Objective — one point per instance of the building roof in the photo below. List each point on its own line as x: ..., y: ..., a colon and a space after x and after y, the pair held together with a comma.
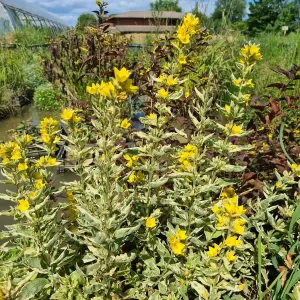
x: 141, y: 28
x: 33, y: 9
x: 148, y: 14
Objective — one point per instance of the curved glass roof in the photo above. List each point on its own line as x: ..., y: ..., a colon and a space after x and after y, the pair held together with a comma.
x: 33, y: 9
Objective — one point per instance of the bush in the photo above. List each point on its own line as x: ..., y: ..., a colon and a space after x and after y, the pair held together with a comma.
x: 172, y: 210
x: 46, y: 97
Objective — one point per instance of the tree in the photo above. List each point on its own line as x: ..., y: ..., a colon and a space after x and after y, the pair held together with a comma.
x: 233, y: 10
x: 270, y: 15
x: 204, y: 20
x: 86, y: 20
x: 165, y: 5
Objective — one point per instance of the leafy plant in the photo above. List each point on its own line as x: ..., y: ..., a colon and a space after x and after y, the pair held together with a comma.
x: 46, y: 97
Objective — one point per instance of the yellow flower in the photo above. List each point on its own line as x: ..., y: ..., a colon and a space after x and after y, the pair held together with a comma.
x: 131, y: 178
x: 122, y: 96
x: 213, y: 251
x: 251, y: 52
x: 238, y: 229
x: 230, y: 256
x: 236, y: 129
x: 232, y: 241
x: 32, y: 194
x: 46, y: 138
x: 26, y: 138
x: 227, y: 108
x: 150, y: 222
x: 186, y: 94
x: 250, y: 83
x: 70, y: 196
x: 98, y: 2
x: 241, y: 286
x: 130, y: 160
x: 215, y: 209
x: 39, y: 184
x: 181, y: 235
x: 171, y: 81
x: 46, y: 161
x: 48, y: 126
x: 191, y: 148
x: 295, y: 168
x: 23, y: 205
x: 22, y: 166
x: 173, y: 240
x: 67, y: 114
x: 222, y: 221
x: 237, y: 82
x: 106, y: 89
x: 228, y: 193
x: 125, y: 124
x: 121, y: 75
x: 177, y: 248
x: 93, y: 89
x: 182, y: 281
x: 131, y: 89
x: 76, y: 119
x: 184, y: 38
x: 152, y: 116
x: 182, y: 59
x: 162, y: 93
x: 246, y: 98
x: 16, y: 154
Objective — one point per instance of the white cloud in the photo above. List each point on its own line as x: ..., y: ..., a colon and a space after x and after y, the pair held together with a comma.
x: 69, y: 10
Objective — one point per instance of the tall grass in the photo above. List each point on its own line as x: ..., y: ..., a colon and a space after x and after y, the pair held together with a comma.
x: 277, y: 51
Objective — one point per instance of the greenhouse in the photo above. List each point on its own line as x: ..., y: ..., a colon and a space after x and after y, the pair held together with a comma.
x: 17, y: 13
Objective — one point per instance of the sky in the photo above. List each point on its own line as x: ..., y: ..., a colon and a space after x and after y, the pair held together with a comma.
x: 69, y: 10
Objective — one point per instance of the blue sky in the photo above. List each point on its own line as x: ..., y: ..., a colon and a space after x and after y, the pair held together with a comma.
x: 69, y: 10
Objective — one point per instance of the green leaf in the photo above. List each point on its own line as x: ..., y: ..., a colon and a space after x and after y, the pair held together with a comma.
x: 199, y: 288
x: 123, y: 232
x: 232, y: 168
x: 32, y: 288
x: 295, y: 218
x: 158, y: 183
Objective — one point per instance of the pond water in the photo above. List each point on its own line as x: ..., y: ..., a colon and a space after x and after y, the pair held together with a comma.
x: 28, y: 113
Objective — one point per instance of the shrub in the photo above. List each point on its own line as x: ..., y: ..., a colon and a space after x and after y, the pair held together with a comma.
x: 157, y: 213
x: 46, y: 97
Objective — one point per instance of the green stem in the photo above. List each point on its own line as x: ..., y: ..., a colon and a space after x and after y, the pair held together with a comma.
x: 282, y: 145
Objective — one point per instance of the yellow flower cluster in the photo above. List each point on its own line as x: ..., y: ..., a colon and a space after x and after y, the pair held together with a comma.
x: 228, y: 214
x: 46, y: 162
x: 135, y: 177
x: 130, y: 160
x: 250, y: 54
x: 169, y: 80
x: 110, y: 89
x: 162, y: 93
x: 105, y: 89
x: 243, y: 83
x: 190, y: 26
x: 187, y: 156
x: 48, y: 130
x: 69, y: 115
x: 233, y: 129
x: 23, y: 205
x: 176, y: 245
x: 10, y: 151
x: 296, y: 169
x: 150, y: 222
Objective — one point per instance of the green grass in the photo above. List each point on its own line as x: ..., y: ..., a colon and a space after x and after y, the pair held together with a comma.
x: 278, y: 51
